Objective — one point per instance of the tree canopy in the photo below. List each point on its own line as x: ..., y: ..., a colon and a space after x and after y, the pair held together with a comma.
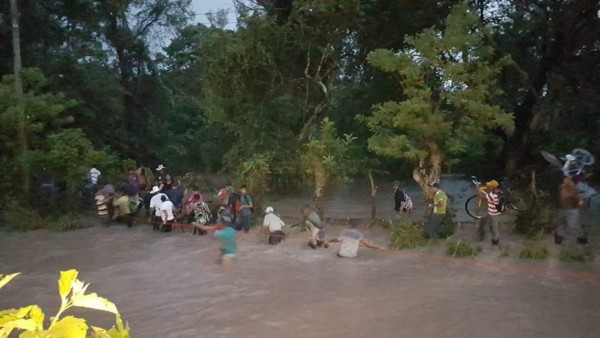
x: 438, y: 85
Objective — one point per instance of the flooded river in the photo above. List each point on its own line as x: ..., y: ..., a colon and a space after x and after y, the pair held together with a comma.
x: 168, y: 285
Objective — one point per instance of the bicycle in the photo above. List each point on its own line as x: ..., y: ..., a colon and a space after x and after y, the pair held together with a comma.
x: 519, y: 199
x: 574, y: 164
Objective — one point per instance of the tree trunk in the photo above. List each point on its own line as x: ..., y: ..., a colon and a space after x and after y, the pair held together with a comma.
x: 320, y: 183
x: 373, y: 200
x: 427, y: 173
x: 21, y: 128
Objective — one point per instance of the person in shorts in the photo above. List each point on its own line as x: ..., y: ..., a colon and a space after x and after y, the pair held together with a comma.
x: 350, y: 240
x: 313, y: 223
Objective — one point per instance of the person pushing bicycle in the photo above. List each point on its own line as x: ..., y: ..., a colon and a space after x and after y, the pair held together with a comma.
x: 495, y: 206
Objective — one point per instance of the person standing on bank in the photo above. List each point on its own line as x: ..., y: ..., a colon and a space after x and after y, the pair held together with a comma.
x: 571, y: 201
x: 440, y: 201
x: 246, y: 207
x: 402, y: 202
x: 495, y: 206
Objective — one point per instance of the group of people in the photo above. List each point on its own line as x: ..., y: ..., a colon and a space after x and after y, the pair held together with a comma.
x: 571, y: 202
x: 165, y: 201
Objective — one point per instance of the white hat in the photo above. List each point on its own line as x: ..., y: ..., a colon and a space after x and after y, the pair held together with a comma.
x: 154, y: 190
x: 269, y: 210
x: 160, y: 167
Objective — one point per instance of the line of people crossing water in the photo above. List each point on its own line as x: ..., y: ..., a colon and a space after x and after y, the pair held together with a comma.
x: 166, y: 203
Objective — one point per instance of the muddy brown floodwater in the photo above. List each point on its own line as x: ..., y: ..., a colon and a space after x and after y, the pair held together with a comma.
x: 168, y: 285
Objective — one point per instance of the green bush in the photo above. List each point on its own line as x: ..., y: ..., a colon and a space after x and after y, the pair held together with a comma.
x: 461, y: 249
x: 534, y: 251
x: 542, y: 218
x: 407, y: 235
x: 65, y: 223
x: 577, y: 253
x: 21, y: 218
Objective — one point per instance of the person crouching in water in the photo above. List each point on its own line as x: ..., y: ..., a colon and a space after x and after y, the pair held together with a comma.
x: 273, y: 225
x: 350, y: 240
x: 226, y: 235
x: 313, y: 223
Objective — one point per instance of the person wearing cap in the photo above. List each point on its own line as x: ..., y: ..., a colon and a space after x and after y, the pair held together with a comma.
x: 495, y: 206
x: 571, y: 202
x: 440, y: 202
x: 155, y: 203
x: 273, y: 225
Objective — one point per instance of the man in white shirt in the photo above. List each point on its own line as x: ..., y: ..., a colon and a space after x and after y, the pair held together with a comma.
x: 168, y: 218
x: 155, y: 203
x: 94, y: 175
x: 350, y: 240
x: 273, y: 224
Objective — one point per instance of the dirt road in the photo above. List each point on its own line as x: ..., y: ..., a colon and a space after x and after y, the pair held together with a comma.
x: 168, y: 285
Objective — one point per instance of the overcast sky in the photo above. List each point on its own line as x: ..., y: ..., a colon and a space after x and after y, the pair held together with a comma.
x: 201, y: 7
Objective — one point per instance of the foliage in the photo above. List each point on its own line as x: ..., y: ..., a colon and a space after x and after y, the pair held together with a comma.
x: 18, y: 217
x: 407, y: 235
x: 73, y: 294
x: 578, y: 253
x: 326, y: 159
x: 541, y: 219
x: 462, y: 249
x: 449, y: 82
x: 534, y: 251
x: 65, y: 222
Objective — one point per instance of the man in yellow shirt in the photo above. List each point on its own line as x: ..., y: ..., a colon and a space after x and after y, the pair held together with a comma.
x: 440, y: 201
x: 123, y: 211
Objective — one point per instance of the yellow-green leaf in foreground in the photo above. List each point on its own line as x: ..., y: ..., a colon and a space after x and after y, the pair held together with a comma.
x: 65, y: 283
x: 93, y: 301
x: 4, y: 279
x: 68, y: 327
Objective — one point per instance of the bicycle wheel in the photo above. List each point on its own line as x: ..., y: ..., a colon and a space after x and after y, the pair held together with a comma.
x: 583, y: 156
x: 521, y: 199
x: 476, y: 207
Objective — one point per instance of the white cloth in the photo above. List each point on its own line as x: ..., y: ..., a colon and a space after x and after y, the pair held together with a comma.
x: 168, y: 207
x: 350, y: 240
x: 155, y: 202
x: 94, y: 174
x: 273, y: 222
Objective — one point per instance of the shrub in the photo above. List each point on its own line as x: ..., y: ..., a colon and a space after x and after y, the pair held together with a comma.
x: 407, y: 235
x: 577, y: 253
x: 21, y: 218
x: 461, y: 249
x: 542, y: 218
x: 534, y: 252
x: 65, y: 223
x: 72, y: 292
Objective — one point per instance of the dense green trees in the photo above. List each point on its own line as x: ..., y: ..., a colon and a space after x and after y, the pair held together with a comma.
x: 139, y: 80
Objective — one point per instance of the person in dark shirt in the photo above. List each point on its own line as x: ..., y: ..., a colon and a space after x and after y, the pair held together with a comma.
x: 176, y: 195
x: 398, y: 199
